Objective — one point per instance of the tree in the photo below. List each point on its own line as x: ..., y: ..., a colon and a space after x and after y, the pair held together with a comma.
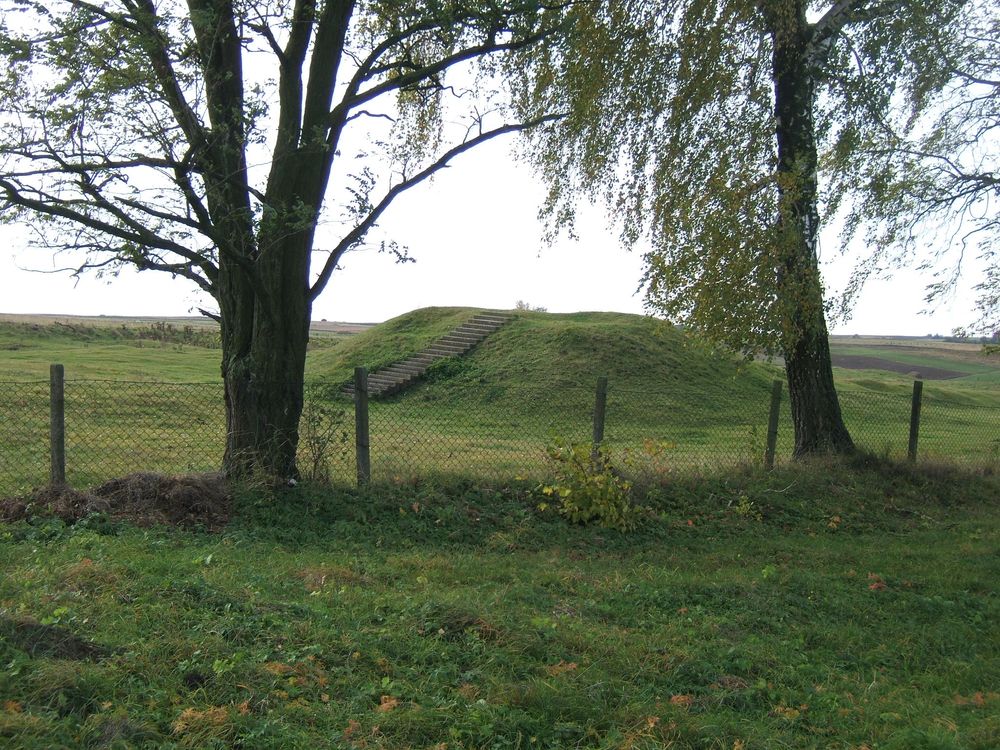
x: 943, y: 175
x: 705, y: 124
x: 201, y: 139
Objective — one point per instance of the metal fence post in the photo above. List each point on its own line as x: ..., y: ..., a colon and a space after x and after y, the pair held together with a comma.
x: 362, y: 445
x: 772, y: 425
x: 600, y: 404
x: 918, y: 390
x: 57, y: 426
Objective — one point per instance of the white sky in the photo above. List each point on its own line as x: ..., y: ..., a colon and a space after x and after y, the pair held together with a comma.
x: 477, y: 242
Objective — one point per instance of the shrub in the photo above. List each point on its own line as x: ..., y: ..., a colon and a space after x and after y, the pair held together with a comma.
x: 588, y: 488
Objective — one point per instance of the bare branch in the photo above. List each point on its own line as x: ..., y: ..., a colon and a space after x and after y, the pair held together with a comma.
x: 357, y: 234
x: 428, y: 71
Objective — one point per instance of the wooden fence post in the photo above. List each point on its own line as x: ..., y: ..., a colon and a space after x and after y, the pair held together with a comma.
x: 918, y: 390
x: 362, y: 445
x: 772, y: 425
x: 600, y: 404
x: 57, y: 426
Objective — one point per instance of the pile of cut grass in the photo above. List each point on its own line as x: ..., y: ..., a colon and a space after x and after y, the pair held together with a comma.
x: 831, y: 605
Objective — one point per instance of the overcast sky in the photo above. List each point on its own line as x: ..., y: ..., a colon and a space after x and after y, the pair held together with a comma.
x: 476, y: 240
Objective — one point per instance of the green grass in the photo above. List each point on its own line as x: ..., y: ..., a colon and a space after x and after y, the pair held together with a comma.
x: 674, y: 405
x: 108, y: 353
x: 820, y: 606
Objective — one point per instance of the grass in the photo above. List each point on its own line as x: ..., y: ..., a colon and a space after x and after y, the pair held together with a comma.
x: 674, y: 405
x: 833, y: 606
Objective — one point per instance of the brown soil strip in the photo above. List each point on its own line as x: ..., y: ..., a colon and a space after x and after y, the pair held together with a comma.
x: 858, y: 362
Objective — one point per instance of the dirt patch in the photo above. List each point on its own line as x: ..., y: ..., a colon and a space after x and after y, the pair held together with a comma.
x: 50, y: 641
x: 197, y: 500
x: 859, y: 362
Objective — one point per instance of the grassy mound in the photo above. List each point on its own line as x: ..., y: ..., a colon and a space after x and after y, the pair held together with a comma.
x: 552, y: 351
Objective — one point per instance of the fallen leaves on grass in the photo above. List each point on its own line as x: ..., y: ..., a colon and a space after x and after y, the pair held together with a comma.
x: 877, y: 584
x: 729, y: 682
x: 976, y: 700
x: 316, y: 577
x: 387, y: 703
x: 682, y: 701
x: 352, y: 728
x: 788, y: 712
x: 193, y: 719
x: 554, y: 670
x: 468, y: 691
x: 12, y: 707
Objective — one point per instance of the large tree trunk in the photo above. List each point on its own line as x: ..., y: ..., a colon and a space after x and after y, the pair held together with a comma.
x: 265, y: 333
x: 819, y: 426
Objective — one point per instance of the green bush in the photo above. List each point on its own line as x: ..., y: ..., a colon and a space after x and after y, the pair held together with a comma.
x: 588, y: 488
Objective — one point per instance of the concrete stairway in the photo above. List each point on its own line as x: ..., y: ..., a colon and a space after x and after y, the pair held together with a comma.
x: 401, y: 375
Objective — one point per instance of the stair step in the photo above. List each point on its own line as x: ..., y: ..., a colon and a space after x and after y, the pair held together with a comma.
x: 448, y: 348
x: 476, y: 328
x: 403, y: 369
x: 399, y: 375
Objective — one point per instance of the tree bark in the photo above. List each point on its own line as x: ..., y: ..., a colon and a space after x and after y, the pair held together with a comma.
x: 264, y: 352
x: 815, y: 407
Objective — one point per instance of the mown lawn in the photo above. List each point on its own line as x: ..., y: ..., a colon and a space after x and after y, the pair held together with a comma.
x: 817, y: 606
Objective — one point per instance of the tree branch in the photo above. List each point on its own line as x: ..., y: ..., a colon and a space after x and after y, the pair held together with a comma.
x: 357, y: 234
x: 135, y: 234
x: 421, y: 74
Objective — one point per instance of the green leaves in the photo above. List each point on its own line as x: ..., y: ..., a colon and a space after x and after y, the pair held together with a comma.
x: 588, y: 488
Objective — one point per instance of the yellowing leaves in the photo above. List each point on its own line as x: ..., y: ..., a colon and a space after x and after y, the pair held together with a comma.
x: 278, y: 669
x: 199, y: 720
x: 976, y: 700
x: 554, y: 670
x: 387, y: 703
x: 12, y: 707
x: 682, y: 701
x: 789, y: 713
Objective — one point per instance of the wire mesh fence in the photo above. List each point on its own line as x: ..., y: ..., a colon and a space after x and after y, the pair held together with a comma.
x: 490, y: 434
x: 24, y: 435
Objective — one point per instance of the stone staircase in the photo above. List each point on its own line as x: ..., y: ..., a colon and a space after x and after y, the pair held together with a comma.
x: 399, y: 376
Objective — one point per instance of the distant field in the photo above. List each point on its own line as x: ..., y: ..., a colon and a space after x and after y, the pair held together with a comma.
x: 931, y: 358
x: 106, y: 321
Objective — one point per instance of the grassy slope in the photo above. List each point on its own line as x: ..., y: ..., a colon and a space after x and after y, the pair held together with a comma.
x: 817, y: 607
x: 540, y: 350
x: 388, y: 342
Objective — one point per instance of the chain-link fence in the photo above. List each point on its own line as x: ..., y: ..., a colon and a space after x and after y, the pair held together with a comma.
x: 489, y: 434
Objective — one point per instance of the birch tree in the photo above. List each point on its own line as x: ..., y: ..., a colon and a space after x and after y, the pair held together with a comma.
x: 723, y: 132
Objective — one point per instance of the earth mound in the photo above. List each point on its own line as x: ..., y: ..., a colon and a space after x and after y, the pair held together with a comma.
x: 143, y: 499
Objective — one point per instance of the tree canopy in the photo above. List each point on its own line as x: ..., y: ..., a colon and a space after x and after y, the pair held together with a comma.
x: 941, y: 171
x: 212, y: 139
x: 726, y: 133
x: 672, y: 124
